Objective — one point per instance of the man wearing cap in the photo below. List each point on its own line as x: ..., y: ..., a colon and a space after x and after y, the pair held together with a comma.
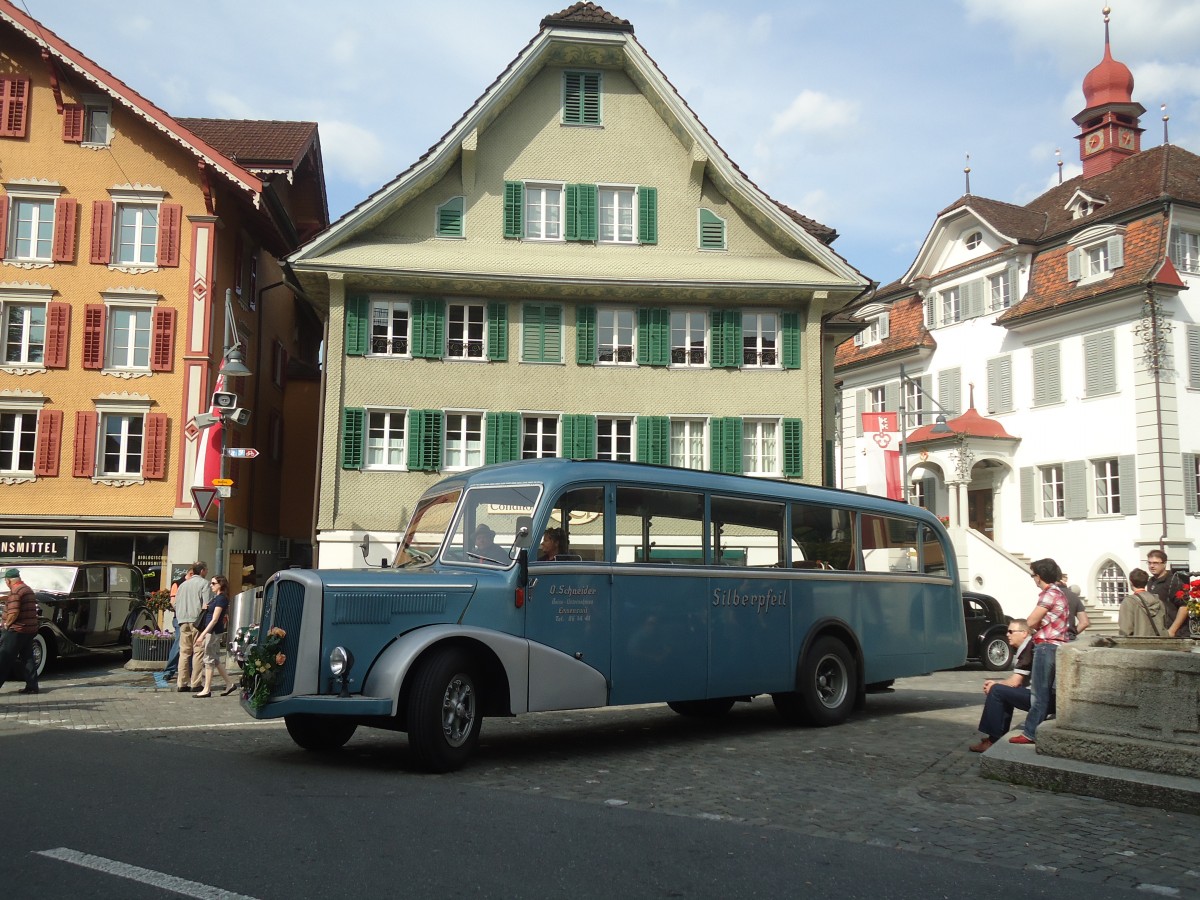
x: 20, y: 628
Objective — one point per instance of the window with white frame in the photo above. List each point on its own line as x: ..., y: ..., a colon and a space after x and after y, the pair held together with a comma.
x: 97, y: 117
x: 539, y: 437
x: 1098, y: 254
x: 121, y: 444
x: 760, y: 447
x: 618, y: 215
x: 877, y: 399
x: 689, y: 338
x: 688, y: 445
x: 18, y: 441
x: 543, y: 212
x: 24, y: 334
x: 1108, y: 487
x: 1111, y: 584
x: 760, y: 340
x: 614, y: 438
x: 464, y: 440
x: 391, y: 324
x: 916, y: 491
x: 129, y: 330
x: 974, y: 239
x: 914, y: 403
x: 615, y: 331
x: 466, y: 325
x: 385, y: 440
x: 31, y: 229
x: 1185, y: 250
x: 999, y: 291
x: 137, y: 234
x: 876, y: 331
x: 951, y: 305
x: 1054, y: 502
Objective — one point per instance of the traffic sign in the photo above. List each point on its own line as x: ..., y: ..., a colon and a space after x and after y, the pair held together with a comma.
x: 241, y: 452
x: 222, y: 482
x: 203, y: 498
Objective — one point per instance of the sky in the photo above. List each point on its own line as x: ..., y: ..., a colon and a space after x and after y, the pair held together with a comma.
x: 859, y: 114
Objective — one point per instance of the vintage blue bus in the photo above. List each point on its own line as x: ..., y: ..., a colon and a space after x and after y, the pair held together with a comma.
x: 668, y: 585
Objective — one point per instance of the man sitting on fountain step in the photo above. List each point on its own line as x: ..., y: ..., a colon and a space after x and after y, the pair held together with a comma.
x: 1011, y: 693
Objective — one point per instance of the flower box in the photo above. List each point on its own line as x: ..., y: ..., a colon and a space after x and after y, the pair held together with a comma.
x: 150, y: 648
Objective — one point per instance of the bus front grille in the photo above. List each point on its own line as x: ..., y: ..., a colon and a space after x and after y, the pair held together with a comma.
x: 285, y: 609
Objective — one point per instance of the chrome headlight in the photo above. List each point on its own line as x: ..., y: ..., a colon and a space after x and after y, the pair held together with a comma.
x: 341, y: 661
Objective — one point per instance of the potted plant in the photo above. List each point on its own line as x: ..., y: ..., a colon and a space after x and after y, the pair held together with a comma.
x: 151, y: 644
x: 159, y: 603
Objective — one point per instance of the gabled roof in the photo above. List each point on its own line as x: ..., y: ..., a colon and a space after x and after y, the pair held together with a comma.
x: 256, y: 143
x: 906, y: 332
x: 588, y: 24
x: 65, y: 55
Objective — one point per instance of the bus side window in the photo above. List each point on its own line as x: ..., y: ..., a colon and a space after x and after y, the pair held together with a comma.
x: 822, y: 537
x: 658, y: 527
x: 889, y: 543
x: 580, y: 514
x: 746, y: 532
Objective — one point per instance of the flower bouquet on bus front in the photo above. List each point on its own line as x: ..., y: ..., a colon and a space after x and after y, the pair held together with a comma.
x: 261, y: 662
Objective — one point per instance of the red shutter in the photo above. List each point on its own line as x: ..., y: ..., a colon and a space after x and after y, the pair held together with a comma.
x: 49, y: 442
x: 65, y: 211
x: 73, y: 122
x: 93, y: 336
x: 154, y: 458
x: 85, y: 444
x: 58, y: 333
x: 14, y: 106
x: 170, y: 223
x: 3, y: 225
x: 162, y: 344
x: 102, y: 216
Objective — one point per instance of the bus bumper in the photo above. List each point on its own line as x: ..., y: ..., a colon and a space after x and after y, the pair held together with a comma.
x: 322, y: 705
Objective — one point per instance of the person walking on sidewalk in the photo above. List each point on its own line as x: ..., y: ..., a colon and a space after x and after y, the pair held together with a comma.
x: 1002, y: 697
x: 1049, y: 620
x: 20, y: 628
x: 209, y: 638
x: 194, y: 594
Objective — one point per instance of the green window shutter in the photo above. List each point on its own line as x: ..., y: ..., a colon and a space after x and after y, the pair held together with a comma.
x: 581, y: 212
x: 503, y: 437
x: 830, y: 469
x: 585, y: 335
x: 514, y: 205
x: 358, y: 324
x: 731, y: 340
x: 725, y: 445
x: 353, y: 425
x: 793, y: 449
x: 450, y: 218
x: 712, y: 230
x: 581, y: 98
x: 591, y: 98
x: 533, y: 333
x: 428, y: 327
x: 654, y: 337
x: 716, y: 357
x: 791, y: 340
x: 1127, y: 484
x: 654, y: 440
x: 579, y: 437
x: 425, y: 440
x: 570, y: 209
x: 497, y: 332
x: 648, y: 215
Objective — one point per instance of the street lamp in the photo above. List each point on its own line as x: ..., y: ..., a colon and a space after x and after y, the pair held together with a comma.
x: 939, y: 424
x: 232, y: 366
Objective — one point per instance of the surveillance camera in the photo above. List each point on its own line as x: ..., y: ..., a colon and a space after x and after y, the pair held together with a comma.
x: 240, y: 416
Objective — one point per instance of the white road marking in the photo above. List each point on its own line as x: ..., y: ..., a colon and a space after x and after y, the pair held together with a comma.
x: 145, y: 876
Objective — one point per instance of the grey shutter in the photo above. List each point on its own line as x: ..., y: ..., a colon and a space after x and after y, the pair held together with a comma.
x: 1099, y: 363
x: 1193, y: 356
x: 999, y: 375
x: 950, y: 391
x: 930, y: 308
x: 1047, y: 377
x: 1190, y: 486
x: 973, y: 298
x: 1127, y: 476
x: 1026, y: 493
x: 1116, y: 251
x: 1010, y: 276
x: 1075, y: 486
x: 929, y: 484
x: 1176, y: 248
x: 891, y: 396
x: 1073, y: 265
x: 885, y: 326
x: 860, y: 407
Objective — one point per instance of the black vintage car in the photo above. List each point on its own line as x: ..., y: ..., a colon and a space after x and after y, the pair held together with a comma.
x: 84, y: 606
x: 987, y: 631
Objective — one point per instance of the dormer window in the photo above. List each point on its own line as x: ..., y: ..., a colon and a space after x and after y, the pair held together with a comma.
x: 1081, y: 205
x: 876, y: 331
x: 974, y: 239
x: 1097, y: 254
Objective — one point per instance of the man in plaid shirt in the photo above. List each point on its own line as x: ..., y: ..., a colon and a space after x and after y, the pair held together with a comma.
x: 1048, y: 622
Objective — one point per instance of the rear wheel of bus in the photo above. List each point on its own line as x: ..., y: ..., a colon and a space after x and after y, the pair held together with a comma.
x: 444, y: 712
x: 826, y: 686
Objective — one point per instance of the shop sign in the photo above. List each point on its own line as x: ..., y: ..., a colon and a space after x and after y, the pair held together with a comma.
x: 34, y: 547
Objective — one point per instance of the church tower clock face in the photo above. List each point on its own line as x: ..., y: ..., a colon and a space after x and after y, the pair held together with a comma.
x: 1125, y: 139
x: 1093, y: 142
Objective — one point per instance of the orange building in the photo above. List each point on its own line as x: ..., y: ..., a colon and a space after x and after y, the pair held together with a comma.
x: 137, y: 248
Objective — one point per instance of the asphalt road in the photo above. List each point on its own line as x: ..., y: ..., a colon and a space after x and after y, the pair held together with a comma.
x: 115, y: 789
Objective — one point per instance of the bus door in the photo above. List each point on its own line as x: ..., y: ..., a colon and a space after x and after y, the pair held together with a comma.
x: 567, y: 604
x: 660, y: 602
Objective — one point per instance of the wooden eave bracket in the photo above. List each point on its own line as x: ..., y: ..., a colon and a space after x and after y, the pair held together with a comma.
x: 205, y: 187
x: 52, y: 70
x: 699, y: 164
x: 469, y: 146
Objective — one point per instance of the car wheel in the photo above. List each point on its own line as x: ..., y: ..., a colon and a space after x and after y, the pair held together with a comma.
x: 444, y: 715
x: 997, y: 653
x: 43, y: 652
x: 702, y: 709
x: 321, y: 734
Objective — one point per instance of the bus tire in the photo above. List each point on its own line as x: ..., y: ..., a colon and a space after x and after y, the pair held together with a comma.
x: 444, y: 711
x: 320, y: 734
x: 826, y: 686
x: 702, y: 709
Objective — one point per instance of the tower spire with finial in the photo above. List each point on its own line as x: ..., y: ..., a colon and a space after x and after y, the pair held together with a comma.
x: 967, y: 173
x: 1059, y: 163
x: 1109, y: 129
x: 1166, y: 118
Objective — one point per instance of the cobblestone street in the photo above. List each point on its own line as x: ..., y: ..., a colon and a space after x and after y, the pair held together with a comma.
x: 897, y: 775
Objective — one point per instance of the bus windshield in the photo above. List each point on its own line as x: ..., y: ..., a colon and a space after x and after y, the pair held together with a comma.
x: 491, y: 523
x: 427, y: 530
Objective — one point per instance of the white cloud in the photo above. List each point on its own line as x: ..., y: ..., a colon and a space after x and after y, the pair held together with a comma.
x: 812, y: 112
x: 358, y: 155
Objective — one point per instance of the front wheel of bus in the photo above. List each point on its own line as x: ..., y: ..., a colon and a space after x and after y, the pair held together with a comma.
x: 321, y: 734
x: 444, y: 715
x: 826, y: 686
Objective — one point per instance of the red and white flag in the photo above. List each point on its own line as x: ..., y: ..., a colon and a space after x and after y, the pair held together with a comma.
x: 881, y: 456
